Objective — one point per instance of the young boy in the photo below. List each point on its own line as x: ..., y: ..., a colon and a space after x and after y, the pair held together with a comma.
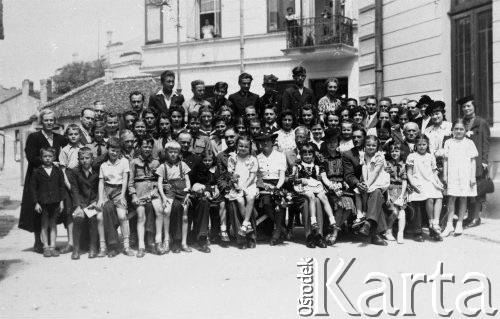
x: 270, y: 125
x: 173, y: 182
x: 112, y: 126
x: 113, y: 182
x: 47, y: 187
x: 346, y: 143
x: 217, y: 137
x: 84, y: 187
x: 68, y: 159
x: 98, y: 147
x: 143, y: 189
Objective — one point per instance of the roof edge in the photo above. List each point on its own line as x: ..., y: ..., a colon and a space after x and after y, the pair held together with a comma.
x: 72, y: 92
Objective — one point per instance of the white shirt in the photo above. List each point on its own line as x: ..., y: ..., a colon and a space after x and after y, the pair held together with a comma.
x: 269, y: 166
x: 112, y: 173
x: 168, y: 100
x: 369, y: 118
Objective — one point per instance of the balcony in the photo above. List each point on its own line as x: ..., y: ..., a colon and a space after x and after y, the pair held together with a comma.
x: 320, y: 38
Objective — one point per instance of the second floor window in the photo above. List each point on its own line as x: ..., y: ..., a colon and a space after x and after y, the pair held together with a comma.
x: 278, y: 11
x: 210, y: 25
x: 154, y: 22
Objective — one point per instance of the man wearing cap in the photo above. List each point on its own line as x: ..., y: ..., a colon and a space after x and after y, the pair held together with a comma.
x: 478, y: 130
x: 297, y: 95
x: 270, y: 178
x: 271, y: 95
x: 244, y: 97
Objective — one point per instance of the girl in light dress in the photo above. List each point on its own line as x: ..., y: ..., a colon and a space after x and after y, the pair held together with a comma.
x: 423, y: 177
x: 459, y: 174
x: 396, y: 195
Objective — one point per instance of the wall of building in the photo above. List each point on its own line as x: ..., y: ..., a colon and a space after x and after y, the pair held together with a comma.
x: 18, y: 109
x: 13, y: 166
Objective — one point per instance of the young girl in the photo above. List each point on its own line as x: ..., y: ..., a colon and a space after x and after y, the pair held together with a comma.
x: 140, y: 129
x: 227, y: 114
x: 396, y: 195
x: 459, y: 175
x: 332, y: 120
x: 173, y: 183
x: 423, y: 177
x: 244, y: 166
x: 285, y: 142
x: 176, y: 114
x: 308, y: 183
x: 346, y: 142
x: 240, y: 125
x: 47, y: 187
x: 206, y: 117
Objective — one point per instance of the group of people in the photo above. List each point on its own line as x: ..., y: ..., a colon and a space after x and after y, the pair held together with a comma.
x: 179, y: 173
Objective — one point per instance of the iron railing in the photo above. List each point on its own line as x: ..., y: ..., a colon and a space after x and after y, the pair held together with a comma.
x: 318, y: 31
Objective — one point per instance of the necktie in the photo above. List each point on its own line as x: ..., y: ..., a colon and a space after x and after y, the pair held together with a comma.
x: 99, y: 149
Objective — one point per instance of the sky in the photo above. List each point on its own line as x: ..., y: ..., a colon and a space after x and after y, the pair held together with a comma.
x: 42, y: 35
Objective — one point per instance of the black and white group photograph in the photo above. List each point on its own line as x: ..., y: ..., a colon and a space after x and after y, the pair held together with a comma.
x: 249, y: 158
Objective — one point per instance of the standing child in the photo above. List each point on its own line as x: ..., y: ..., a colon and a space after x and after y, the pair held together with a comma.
x: 84, y: 188
x: 113, y: 182
x: 98, y: 147
x: 459, y: 175
x: 173, y: 183
x: 244, y: 167
x: 396, y: 195
x: 308, y: 179
x: 428, y: 189
x: 68, y: 159
x: 47, y: 187
x: 142, y: 187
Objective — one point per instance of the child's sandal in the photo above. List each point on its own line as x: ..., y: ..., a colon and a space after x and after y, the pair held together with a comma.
x: 315, y: 226
x: 46, y: 252
x: 242, y: 231
x: 224, y: 236
x: 249, y: 229
x: 186, y: 248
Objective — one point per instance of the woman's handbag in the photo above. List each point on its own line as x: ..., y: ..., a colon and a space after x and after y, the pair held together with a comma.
x: 485, y: 184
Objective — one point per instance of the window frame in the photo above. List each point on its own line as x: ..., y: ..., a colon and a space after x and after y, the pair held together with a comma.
x: 147, y: 4
x: 268, y: 16
x: 217, y: 29
x: 472, y: 10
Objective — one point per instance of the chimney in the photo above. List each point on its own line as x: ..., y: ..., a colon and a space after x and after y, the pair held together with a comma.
x: 27, y: 87
x: 45, y: 90
x: 109, y: 37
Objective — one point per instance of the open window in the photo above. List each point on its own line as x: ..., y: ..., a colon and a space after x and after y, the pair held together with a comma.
x: 154, y: 22
x: 210, y: 17
x: 276, y: 12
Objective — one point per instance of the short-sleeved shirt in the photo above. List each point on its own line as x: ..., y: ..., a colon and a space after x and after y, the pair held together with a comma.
x: 269, y: 166
x: 286, y: 141
x: 68, y: 157
x: 173, y: 171
x: 112, y: 173
x: 326, y: 105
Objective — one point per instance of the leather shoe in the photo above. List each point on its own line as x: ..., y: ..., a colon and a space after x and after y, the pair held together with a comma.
x: 204, y: 248
x: 275, y: 241
x: 75, y: 255
x: 112, y: 253
x: 251, y: 244
x: 38, y: 248
x: 365, y: 229
x: 92, y: 254
x: 310, y: 242
x: 419, y: 238
x: 473, y: 223
x: 377, y: 240
x: 242, y: 246
x: 66, y: 249
x: 320, y: 241
x: 141, y: 253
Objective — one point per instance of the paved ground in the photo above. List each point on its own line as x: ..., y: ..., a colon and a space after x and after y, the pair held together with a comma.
x: 228, y: 283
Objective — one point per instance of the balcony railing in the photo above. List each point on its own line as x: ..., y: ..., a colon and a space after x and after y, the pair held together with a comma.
x: 318, y: 31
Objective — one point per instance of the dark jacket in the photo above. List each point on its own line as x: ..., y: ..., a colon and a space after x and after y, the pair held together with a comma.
x: 352, y: 167
x: 481, y: 138
x: 28, y: 220
x: 241, y: 100
x: 47, y: 189
x: 293, y: 100
x: 274, y: 99
x: 217, y: 104
x: 84, y: 190
x: 157, y: 102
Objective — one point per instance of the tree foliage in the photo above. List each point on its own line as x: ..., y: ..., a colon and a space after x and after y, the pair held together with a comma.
x: 76, y: 74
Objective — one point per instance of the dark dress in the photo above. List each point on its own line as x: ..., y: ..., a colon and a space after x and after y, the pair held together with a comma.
x: 28, y: 220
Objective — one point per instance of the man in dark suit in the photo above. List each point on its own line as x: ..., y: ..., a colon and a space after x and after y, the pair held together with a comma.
x: 84, y: 188
x: 28, y: 220
x: 219, y: 98
x: 244, y: 97
x: 410, y: 132
x: 165, y: 98
x: 296, y: 96
x: 478, y: 131
x: 371, y: 119
x: 414, y: 113
x: 87, y: 120
x: 375, y: 223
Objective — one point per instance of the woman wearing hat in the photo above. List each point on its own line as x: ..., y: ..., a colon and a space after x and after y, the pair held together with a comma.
x: 270, y: 178
x: 439, y: 128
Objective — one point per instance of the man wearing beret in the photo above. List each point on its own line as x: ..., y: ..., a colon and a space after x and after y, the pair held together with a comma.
x: 271, y: 95
x: 244, y: 97
x: 297, y: 95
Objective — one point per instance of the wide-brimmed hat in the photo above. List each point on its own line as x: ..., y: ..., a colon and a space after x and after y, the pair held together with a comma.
x: 435, y: 106
x: 270, y: 79
x: 263, y: 137
x: 465, y: 99
x: 331, y: 134
x: 424, y: 99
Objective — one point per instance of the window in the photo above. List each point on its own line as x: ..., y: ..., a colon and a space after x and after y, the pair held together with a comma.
x: 154, y: 22
x: 276, y: 12
x: 472, y: 55
x: 209, y: 19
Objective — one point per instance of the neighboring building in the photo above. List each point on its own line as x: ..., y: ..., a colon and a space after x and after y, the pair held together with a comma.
x: 325, y: 44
